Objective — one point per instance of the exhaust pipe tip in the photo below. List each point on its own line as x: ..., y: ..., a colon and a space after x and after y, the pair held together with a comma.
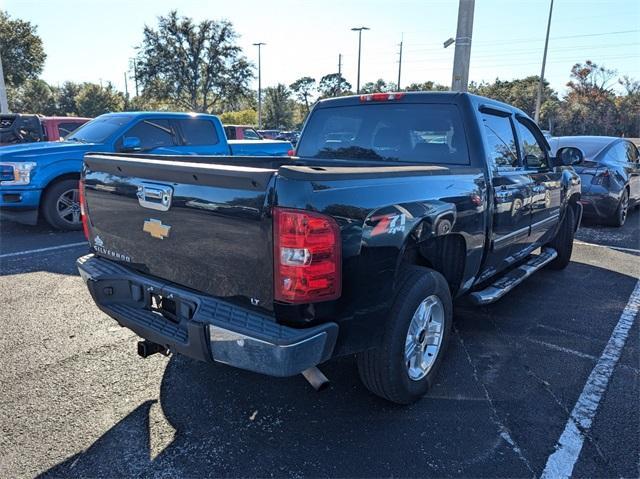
x: 314, y: 376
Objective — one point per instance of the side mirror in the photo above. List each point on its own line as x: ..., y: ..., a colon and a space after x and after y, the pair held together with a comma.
x: 568, y: 156
x: 131, y: 144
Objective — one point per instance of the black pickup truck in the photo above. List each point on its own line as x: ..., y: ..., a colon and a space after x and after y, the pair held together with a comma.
x: 393, y: 206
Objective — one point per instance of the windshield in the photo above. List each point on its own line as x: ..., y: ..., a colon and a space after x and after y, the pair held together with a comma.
x: 99, y: 129
x: 417, y: 133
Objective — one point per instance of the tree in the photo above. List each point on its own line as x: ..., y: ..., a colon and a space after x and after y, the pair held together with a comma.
x: 67, y: 95
x: 243, y: 117
x: 278, y: 107
x: 426, y: 86
x: 194, y: 66
x: 589, y: 107
x: 589, y: 78
x: 379, y: 86
x: 520, y: 93
x: 332, y: 85
x: 303, y: 88
x: 33, y: 96
x: 21, y: 50
x: 94, y: 100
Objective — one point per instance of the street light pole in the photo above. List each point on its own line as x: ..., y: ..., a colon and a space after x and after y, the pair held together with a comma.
x: 544, y: 62
x: 4, y: 104
x: 400, y: 63
x: 359, y: 30
x: 462, y: 55
x: 259, y: 44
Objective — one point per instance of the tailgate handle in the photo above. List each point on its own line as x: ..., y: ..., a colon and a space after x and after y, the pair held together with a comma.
x: 155, y: 197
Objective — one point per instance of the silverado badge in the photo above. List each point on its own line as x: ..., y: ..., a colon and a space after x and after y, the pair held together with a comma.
x: 156, y: 229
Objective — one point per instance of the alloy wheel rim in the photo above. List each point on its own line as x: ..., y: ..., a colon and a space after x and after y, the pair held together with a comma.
x: 424, y: 338
x: 68, y: 206
x: 625, y: 207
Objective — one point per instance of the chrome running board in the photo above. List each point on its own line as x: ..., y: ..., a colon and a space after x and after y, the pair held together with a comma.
x: 513, y: 278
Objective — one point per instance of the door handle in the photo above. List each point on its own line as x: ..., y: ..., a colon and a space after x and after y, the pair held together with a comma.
x: 154, y: 196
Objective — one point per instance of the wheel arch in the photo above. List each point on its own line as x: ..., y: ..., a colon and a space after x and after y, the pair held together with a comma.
x: 57, y: 179
x: 446, y: 254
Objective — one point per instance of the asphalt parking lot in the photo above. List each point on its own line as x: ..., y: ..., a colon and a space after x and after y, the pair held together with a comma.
x: 77, y: 401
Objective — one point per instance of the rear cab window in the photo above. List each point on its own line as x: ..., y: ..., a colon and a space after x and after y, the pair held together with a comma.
x: 430, y: 133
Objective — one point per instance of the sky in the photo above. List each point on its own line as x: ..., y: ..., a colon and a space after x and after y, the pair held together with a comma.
x: 93, y: 40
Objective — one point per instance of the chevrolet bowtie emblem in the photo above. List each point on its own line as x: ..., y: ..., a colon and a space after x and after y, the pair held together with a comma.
x: 156, y: 229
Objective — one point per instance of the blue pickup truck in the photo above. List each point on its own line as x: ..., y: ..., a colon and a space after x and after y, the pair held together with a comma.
x: 42, y: 178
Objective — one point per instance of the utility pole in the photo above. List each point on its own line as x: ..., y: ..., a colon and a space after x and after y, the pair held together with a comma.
x: 544, y: 62
x: 340, y: 64
x: 400, y: 62
x: 462, y: 56
x: 4, y: 104
x: 126, y: 86
x: 259, y: 45
x: 359, y: 30
x: 135, y: 74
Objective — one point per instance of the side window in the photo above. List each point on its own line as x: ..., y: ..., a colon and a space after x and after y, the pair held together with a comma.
x: 533, y: 153
x: 198, y: 132
x: 65, y: 129
x: 153, y: 134
x: 631, y: 151
x: 502, y: 143
x: 250, y: 134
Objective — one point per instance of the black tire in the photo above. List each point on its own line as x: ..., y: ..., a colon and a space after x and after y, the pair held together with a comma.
x: 622, y: 211
x: 563, y: 241
x: 52, y: 205
x: 383, y: 370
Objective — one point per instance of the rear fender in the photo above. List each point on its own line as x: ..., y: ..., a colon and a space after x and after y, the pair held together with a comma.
x: 396, y: 227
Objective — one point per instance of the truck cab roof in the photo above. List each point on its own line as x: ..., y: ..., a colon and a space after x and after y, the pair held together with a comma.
x: 419, y: 97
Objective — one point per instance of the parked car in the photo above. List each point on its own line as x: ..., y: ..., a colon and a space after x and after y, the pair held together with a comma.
x: 42, y: 178
x: 269, y: 134
x: 357, y: 245
x: 19, y: 128
x: 290, y: 136
x: 241, y: 132
x: 610, y: 173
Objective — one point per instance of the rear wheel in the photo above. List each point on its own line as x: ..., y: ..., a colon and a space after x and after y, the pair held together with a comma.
x: 61, y: 205
x: 563, y: 241
x: 403, y: 367
x: 620, y: 216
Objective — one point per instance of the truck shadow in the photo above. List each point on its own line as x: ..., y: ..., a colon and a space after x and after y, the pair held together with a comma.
x: 233, y: 423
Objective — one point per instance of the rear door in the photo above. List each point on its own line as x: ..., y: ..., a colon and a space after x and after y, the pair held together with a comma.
x: 546, y: 182
x: 512, y: 190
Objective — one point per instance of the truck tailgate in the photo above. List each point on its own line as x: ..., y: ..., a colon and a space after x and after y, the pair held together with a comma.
x: 199, y: 225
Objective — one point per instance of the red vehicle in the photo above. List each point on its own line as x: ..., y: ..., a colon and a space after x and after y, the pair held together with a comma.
x: 20, y: 128
x: 241, y: 132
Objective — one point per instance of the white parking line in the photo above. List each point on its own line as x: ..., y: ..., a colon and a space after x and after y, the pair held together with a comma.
x: 562, y: 461
x: 42, y: 250
x: 619, y: 248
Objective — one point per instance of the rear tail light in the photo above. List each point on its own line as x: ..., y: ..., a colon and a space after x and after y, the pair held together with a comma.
x: 381, y: 97
x: 83, y: 209
x: 600, y: 177
x: 291, y: 152
x: 307, y: 256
